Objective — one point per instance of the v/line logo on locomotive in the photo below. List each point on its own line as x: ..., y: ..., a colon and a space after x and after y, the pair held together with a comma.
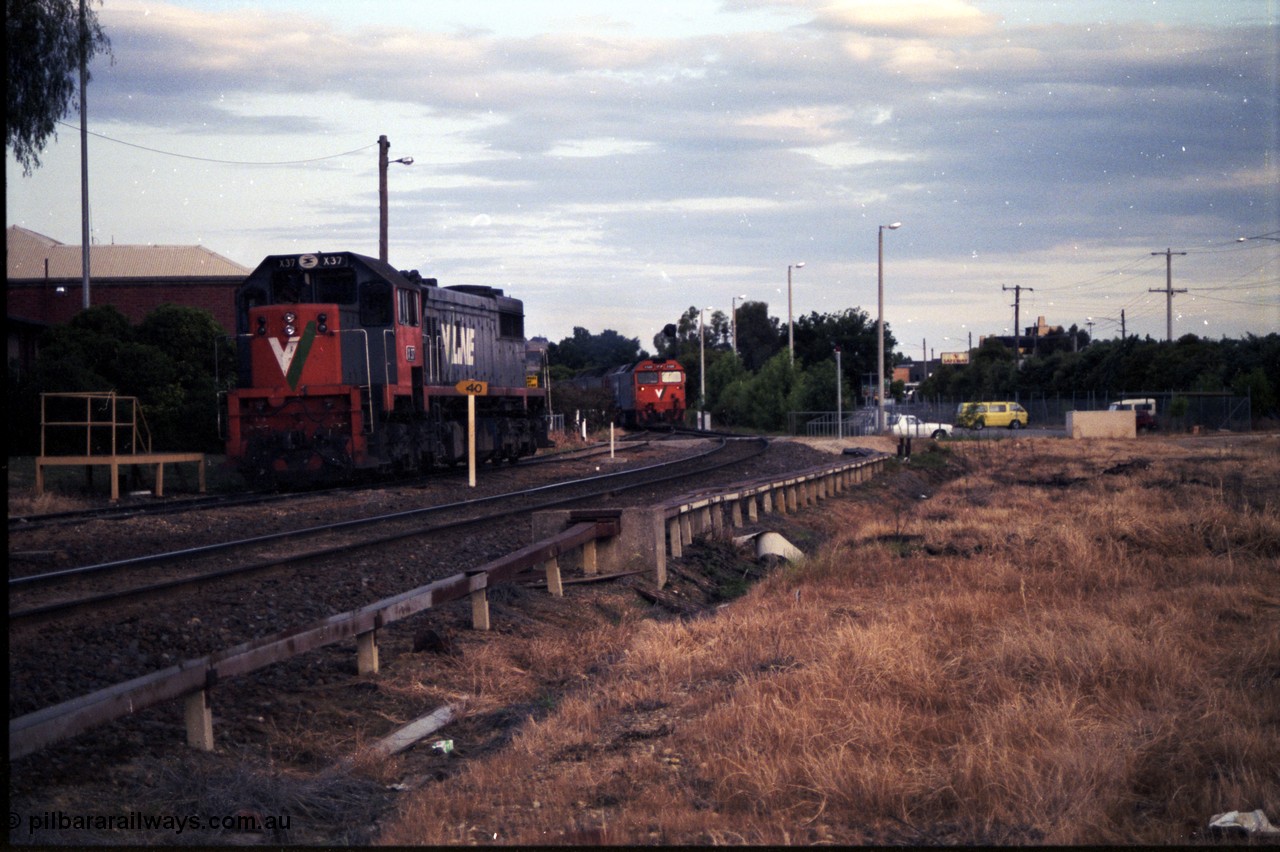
x: 459, y: 348
x: 348, y: 365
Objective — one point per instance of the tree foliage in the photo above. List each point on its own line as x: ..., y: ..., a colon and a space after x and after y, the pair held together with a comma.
x: 1132, y: 365
x: 45, y: 40
x: 586, y: 351
x: 175, y: 362
x: 759, y: 385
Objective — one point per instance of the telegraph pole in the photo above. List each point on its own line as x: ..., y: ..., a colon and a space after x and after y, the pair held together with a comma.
x: 84, y: 161
x: 1168, y: 290
x: 383, y: 147
x: 1017, y: 326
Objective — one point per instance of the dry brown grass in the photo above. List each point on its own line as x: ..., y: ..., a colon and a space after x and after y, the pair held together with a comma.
x: 1038, y: 652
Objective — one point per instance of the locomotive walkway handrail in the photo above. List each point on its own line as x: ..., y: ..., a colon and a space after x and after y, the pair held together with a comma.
x: 645, y: 534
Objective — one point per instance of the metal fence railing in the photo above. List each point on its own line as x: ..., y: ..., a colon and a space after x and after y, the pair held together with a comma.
x: 1174, y: 412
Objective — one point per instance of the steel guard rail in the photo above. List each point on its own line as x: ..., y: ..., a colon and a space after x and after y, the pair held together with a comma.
x: 192, y: 679
x: 645, y: 535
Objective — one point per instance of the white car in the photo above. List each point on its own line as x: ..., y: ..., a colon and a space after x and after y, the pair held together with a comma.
x: 908, y: 425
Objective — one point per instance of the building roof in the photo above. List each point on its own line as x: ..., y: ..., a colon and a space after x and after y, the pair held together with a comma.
x: 28, y: 251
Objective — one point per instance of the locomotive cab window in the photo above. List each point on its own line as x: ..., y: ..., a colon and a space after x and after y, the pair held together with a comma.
x: 672, y: 377
x: 252, y: 297
x: 375, y: 304
x: 510, y: 324
x: 289, y: 285
x: 646, y: 378
x: 408, y: 303
x: 336, y: 285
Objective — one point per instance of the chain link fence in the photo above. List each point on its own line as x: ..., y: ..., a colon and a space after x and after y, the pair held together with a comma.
x: 1174, y: 412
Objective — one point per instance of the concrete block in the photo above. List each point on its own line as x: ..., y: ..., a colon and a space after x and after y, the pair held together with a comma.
x: 1101, y: 424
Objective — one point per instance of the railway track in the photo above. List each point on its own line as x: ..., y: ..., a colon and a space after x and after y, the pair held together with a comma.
x: 149, y: 507
x: 28, y: 604
x: 88, y: 630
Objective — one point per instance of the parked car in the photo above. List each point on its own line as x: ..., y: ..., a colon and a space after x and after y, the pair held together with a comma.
x: 908, y: 425
x: 1144, y: 411
x: 979, y: 415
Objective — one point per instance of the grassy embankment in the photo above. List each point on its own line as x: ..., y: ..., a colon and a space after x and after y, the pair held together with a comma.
x: 1068, y: 643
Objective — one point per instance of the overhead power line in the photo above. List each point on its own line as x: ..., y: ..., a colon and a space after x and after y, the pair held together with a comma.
x: 228, y: 162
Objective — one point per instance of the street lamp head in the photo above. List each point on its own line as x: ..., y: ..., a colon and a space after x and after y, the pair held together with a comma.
x: 895, y: 226
x: 799, y: 265
x: 408, y: 161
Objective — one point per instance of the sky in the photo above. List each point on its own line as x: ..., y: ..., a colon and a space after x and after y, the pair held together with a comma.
x: 614, y: 164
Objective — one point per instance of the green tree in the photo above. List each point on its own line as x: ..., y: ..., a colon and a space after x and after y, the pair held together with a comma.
x: 167, y: 362
x: 185, y: 402
x: 776, y: 390
x: 46, y: 41
x: 723, y: 373
x: 854, y: 332
x: 587, y: 351
x: 84, y: 354
x: 759, y: 337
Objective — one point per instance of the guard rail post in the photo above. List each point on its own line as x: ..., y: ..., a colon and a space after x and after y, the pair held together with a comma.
x: 479, y: 596
x: 199, y: 720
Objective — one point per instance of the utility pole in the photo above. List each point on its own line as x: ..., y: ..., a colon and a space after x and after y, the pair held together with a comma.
x: 383, y: 147
x: 84, y: 161
x: 1122, y: 334
x: 1017, y: 322
x: 1168, y: 290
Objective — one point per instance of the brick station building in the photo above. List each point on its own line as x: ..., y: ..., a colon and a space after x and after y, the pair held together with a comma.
x: 44, y: 287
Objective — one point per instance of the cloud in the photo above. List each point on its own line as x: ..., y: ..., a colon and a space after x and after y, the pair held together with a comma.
x: 600, y: 152
x: 908, y: 18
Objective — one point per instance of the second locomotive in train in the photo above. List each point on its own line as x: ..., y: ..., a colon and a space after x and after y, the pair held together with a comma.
x: 649, y: 392
x: 347, y: 365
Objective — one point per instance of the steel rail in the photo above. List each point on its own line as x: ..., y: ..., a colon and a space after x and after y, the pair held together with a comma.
x: 24, y: 523
x: 48, y: 611
x: 50, y: 577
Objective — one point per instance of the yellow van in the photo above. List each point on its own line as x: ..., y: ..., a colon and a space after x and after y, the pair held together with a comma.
x: 979, y: 415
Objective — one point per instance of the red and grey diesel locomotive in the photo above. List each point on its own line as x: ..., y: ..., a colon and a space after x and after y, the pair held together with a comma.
x: 347, y: 365
x: 649, y: 392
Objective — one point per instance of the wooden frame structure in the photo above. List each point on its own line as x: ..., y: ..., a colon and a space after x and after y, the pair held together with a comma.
x: 128, y: 441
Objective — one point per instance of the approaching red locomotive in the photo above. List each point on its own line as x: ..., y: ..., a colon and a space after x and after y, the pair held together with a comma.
x: 648, y: 392
x: 347, y: 365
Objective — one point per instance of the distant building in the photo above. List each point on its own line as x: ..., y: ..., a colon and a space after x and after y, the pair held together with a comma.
x: 43, y: 284
x: 1039, y: 339
x: 535, y: 360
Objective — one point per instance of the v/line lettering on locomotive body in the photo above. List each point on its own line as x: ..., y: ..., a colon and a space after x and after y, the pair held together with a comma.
x: 347, y: 365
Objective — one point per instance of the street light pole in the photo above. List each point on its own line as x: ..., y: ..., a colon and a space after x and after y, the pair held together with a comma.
x: 880, y: 326
x: 839, y: 398
x: 791, y: 329
x: 383, y: 147
x: 702, y: 368
x: 733, y: 320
